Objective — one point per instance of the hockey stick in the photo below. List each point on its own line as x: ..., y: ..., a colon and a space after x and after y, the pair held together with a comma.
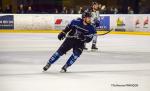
x: 108, y: 31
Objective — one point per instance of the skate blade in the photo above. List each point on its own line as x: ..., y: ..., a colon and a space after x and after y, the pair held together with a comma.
x: 43, y: 71
x: 62, y: 71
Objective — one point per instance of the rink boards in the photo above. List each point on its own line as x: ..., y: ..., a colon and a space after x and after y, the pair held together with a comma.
x: 57, y: 31
x: 119, y: 22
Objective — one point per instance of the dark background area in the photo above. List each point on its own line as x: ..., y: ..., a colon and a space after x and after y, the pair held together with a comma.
x: 49, y: 6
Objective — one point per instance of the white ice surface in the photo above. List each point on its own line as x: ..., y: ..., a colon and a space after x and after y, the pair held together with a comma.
x: 121, y: 59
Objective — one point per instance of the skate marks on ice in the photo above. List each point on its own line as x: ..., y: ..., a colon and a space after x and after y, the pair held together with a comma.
x: 28, y: 77
x: 99, y: 57
x: 23, y: 56
x: 115, y: 57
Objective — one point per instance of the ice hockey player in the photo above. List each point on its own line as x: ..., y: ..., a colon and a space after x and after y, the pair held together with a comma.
x: 77, y: 33
x: 95, y: 22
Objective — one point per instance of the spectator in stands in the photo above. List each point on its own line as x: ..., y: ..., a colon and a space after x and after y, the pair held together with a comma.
x: 130, y: 10
x: 112, y: 10
x: 72, y: 11
x: 64, y: 11
x: 29, y: 11
x: 56, y: 11
x: 103, y: 9
x: 99, y: 7
x: 8, y: 9
x: 21, y: 9
x: 119, y: 10
x: 80, y: 11
x: 115, y: 11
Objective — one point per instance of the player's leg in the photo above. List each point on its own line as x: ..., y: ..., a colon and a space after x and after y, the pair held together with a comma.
x: 62, y: 50
x: 94, y: 42
x: 71, y: 60
x: 77, y: 51
x: 53, y: 58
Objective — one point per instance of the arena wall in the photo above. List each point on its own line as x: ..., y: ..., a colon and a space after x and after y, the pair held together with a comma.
x: 50, y: 22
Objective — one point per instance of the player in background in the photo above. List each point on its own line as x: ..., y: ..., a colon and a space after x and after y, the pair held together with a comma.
x: 77, y: 33
x: 95, y: 22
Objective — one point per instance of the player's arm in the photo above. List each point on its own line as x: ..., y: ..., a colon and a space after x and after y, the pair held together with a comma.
x: 87, y: 38
x: 62, y: 34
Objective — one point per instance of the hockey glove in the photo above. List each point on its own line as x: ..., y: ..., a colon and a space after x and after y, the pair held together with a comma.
x: 61, y: 35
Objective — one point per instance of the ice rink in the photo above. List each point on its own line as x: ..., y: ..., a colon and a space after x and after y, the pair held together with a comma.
x: 122, y: 63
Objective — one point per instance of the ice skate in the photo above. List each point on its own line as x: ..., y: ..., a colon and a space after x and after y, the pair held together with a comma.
x: 64, y: 69
x: 46, y: 67
x: 93, y: 48
x: 85, y: 48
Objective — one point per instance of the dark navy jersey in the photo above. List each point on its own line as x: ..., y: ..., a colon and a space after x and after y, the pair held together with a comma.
x: 76, y: 27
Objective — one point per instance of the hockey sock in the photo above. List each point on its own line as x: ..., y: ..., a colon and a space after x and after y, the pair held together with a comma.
x: 55, y: 57
x: 94, y: 39
x: 72, y: 59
